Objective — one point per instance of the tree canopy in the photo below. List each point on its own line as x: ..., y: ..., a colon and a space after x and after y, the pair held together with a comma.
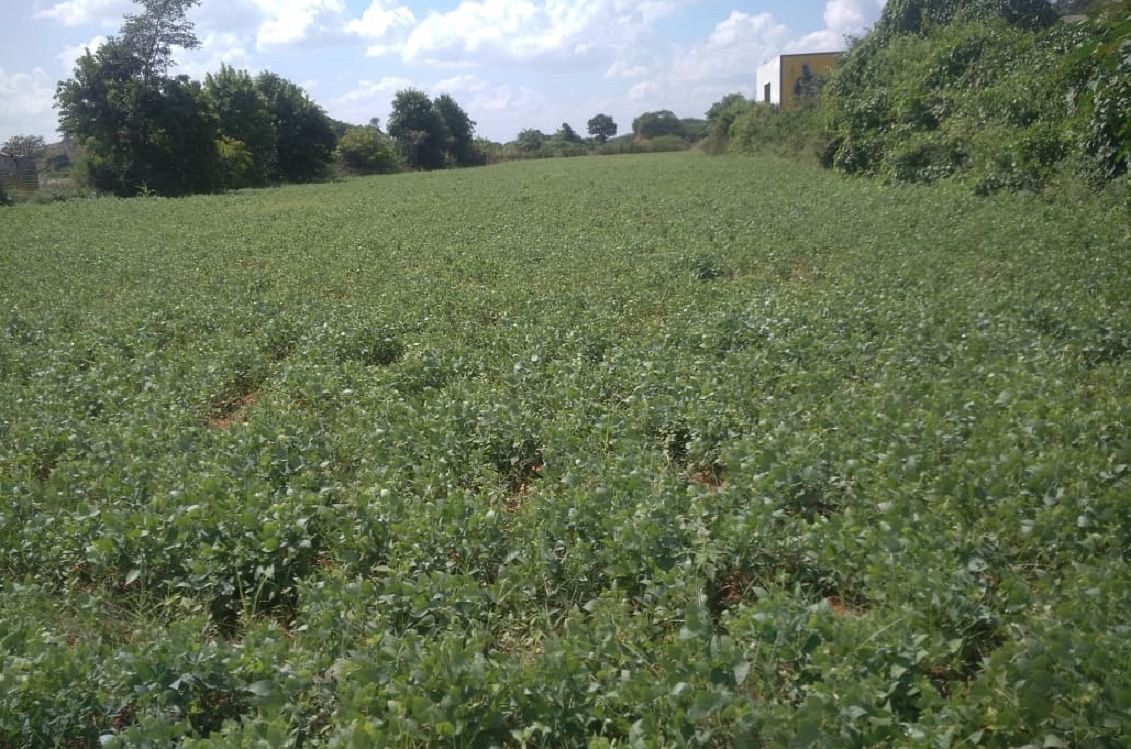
x: 418, y: 129
x: 602, y: 127
x: 654, y: 124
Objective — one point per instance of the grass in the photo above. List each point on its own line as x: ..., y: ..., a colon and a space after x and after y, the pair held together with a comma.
x: 659, y: 450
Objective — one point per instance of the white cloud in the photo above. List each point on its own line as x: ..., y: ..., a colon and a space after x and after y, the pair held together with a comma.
x: 458, y: 84
x: 644, y: 90
x: 216, y: 48
x: 69, y: 56
x: 842, y: 18
x: 26, y: 104
x: 736, y: 45
x: 294, y: 21
x: 79, y: 12
x: 844, y: 15
x: 726, y: 60
x: 527, y: 29
x: 621, y: 69
x: 381, y: 17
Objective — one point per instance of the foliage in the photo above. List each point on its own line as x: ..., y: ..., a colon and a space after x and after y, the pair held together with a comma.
x: 919, y: 16
x: 243, y: 115
x: 989, y: 93
x: 694, y: 129
x: 567, y: 134
x: 142, y: 129
x: 366, y: 150
x: 762, y: 128
x: 1106, y: 125
x: 582, y: 452
x: 654, y: 124
x: 236, y: 165
x: 459, y: 130
x: 531, y: 140
x: 720, y: 117
x: 304, y: 135
x: 151, y: 35
x: 24, y: 145
x: 602, y: 127
x: 418, y: 129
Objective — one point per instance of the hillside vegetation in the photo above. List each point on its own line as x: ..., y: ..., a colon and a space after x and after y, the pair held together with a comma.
x: 654, y: 451
x: 996, y: 93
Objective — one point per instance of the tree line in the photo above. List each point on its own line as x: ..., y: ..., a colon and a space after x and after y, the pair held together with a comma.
x: 143, y: 130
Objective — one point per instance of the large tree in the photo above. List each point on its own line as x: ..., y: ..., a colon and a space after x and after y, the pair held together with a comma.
x: 418, y: 129
x: 602, y: 127
x: 459, y: 130
x: 152, y: 34
x: 567, y: 134
x: 141, y: 129
x: 531, y: 140
x: 243, y: 116
x: 654, y: 124
x: 305, y: 139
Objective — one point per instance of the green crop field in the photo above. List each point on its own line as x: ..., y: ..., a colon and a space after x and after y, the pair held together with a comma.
x: 647, y: 451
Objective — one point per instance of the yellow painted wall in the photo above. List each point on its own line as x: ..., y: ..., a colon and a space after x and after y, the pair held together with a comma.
x: 794, y: 72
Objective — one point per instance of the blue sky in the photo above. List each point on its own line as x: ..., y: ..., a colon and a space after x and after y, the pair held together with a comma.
x: 511, y: 63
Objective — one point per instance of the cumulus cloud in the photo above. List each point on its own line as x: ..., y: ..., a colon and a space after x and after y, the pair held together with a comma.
x: 726, y: 60
x: 26, y: 104
x: 621, y: 69
x: 80, y: 12
x: 70, y: 55
x: 293, y: 21
x: 380, y: 18
x: 721, y: 63
x: 216, y: 48
x: 466, y: 83
x: 524, y: 30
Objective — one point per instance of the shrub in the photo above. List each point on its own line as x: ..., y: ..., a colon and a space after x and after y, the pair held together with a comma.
x: 990, y: 92
x: 365, y: 150
x: 237, y: 166
x: 766, y: 129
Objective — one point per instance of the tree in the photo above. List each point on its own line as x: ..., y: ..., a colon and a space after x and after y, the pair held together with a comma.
x: 459, y: 130
x: 366, y: 150
x: 151, y: 35
x: 694, y: 129
x: 567, y: 134
x: 30, y: 146
x: 155, y: 135
x: 602, y: 127
x: 418, y: 129
x: 531, y: 140
x: 304, y: 135
x: 720, y: 118
x: 141, y: 129
x: 654, y: 124
x: 243, y: 115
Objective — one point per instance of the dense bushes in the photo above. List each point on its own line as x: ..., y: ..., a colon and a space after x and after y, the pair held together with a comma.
x: 366, y: 150
x: 761, y: 128
x: 994, y: 93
